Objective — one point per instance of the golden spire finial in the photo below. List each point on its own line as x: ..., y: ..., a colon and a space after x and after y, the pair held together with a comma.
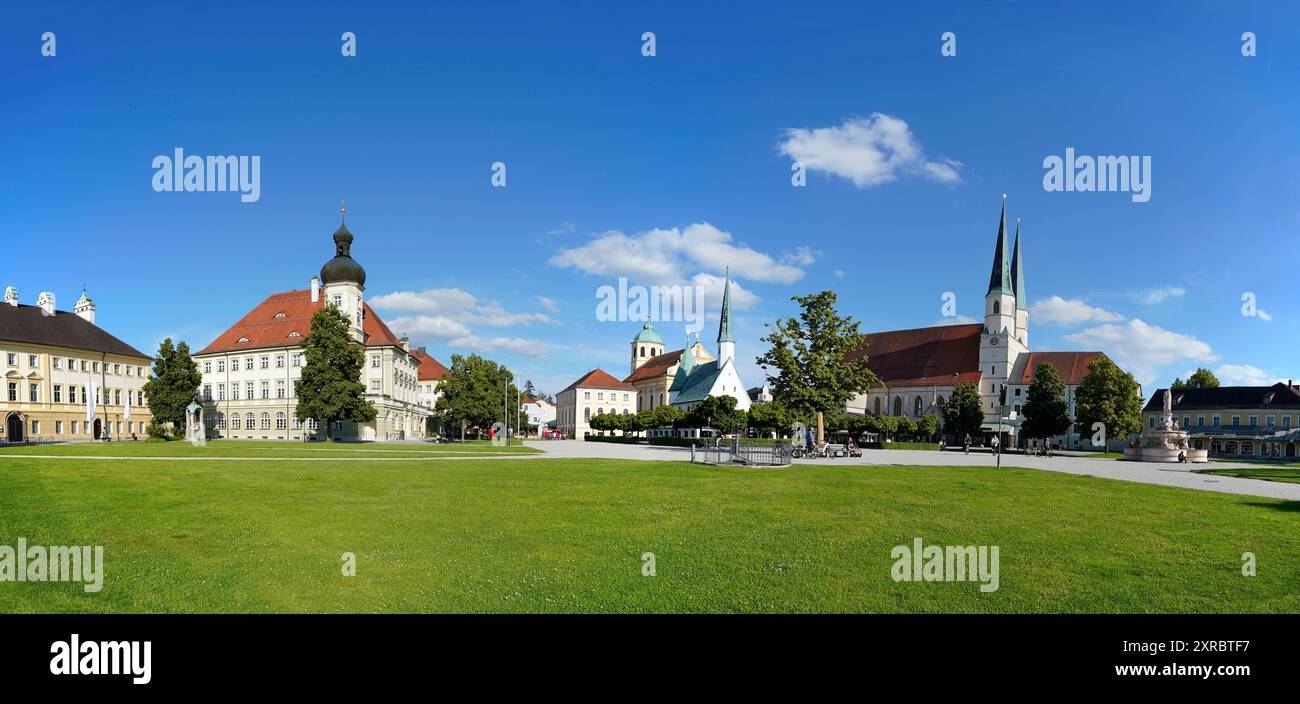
x: 343, y: 209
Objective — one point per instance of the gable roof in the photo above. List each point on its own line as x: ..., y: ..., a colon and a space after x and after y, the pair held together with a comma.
x: 24, y: 323
x: 1278, y: 395
x: 430, y: 369
x: 697, y: 383
x: 598, y: 379
x: 656, y: 366
x: 271, y: 323
x: 935, y: 356
x: 1071, y: 366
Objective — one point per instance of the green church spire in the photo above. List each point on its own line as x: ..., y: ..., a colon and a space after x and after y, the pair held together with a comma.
x: 724, y: 325
x: 1000, y: 278
x: 1018, y: 273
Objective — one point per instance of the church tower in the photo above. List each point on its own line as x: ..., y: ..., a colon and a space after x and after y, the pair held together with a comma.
x: 1001, y: 342
x: 344, y: 280
x: 726, y: 343
x: 645, y: 345
x: 1018, y: 280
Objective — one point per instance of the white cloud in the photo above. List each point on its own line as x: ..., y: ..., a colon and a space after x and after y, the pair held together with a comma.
x: 1141, y: 347
x: 800, y: 256
x: 1242, y: 375
x: 456, y: 305
x: 566, y: 228
x: 741, y: 298
x: 548, y: 303
x: 839, y: 273
x: 955, y: 320
x: 868, y: 151
x: 428, y: 327
x: 1061, y: 311
x: 663, y: 257
x: 516, y: 345
x: 1160, y: 295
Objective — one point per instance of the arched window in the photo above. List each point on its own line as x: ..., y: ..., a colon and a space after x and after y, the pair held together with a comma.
x: 916, y: 407
x: 997, y: 307
x: 877, y: 405
x: 235, y: 421
x: 586, y: 415
x: 279, y: 421
x: 642, y: 350
x: 266, y: 421
x: 898, y: 405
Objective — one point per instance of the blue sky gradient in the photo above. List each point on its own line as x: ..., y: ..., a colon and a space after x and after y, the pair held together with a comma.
x: 599, y: 139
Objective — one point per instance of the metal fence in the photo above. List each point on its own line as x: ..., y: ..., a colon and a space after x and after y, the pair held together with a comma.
x: 743, y: 452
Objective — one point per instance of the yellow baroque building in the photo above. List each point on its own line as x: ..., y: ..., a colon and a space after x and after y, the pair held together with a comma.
x: 66, y: 378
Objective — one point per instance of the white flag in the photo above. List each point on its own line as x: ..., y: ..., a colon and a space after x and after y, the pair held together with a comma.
x: 90, y: 401
x: 127, y: 412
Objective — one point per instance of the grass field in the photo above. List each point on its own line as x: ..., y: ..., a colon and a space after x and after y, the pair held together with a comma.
x: 259, y: 448
x: 557, y: 535
x: 1274, y: 473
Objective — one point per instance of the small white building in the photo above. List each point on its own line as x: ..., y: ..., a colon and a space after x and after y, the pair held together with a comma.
x: 540, y: 412
x: 695, y: 382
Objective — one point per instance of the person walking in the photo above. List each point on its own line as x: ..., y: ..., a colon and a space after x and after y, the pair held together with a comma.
x: 965, y: 446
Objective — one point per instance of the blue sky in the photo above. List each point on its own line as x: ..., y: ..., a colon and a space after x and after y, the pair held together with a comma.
x: 603, y: 145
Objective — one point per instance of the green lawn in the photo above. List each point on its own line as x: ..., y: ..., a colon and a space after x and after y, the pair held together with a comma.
x: 567, y: 535
x: 265, y: 448
x: 1274, y: 473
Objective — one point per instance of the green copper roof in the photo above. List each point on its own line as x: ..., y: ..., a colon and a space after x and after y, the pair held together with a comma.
x: 1000, y: 278
x: 687, y: 360
x: 724, y: 325
x: 1018, y: 274
x: 697, y: 383
x: 648, y: 334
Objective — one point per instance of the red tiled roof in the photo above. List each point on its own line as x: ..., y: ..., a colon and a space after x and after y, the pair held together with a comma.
x: 598, y: 379
x: 655, y: 366
x: 430, y: 368
x: 1072, y: 366
x: 265, y: 327
x: 940, y: 355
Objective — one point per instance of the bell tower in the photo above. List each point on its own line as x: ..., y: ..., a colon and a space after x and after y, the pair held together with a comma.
x: 645, y: 345
x: 344, y: 280
x: 1002, y: 341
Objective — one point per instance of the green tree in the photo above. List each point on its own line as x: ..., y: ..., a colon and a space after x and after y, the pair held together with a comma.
x: 1108, y: 395
x: 818, y: 359
x: 529, y: 389
x: 1046, y: 413
x: 770, y: 417
x: 963, y: 414
x: 906, y: 427
x: 172, y: 386
x: 476, y: 393
x: 1202, y: 378
x: 718, y: 412
x: 927, y: 425
x: 330, y: 387
x: 666, y: 417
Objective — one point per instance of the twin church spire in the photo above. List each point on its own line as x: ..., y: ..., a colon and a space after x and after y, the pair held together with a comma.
x: 1007, y: 278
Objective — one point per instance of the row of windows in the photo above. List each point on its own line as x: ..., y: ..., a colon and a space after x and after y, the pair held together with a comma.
x: 85, y: 365
x: 918, y: 406
x: 1216, y: 419
x: 250, y: 391
x: 34, y: 394
x: 263, y: 362
x: 600, y: 395
x: 252, y: 421
x: 79, y: 428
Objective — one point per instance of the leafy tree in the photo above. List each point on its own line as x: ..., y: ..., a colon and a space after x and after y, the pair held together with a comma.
x: 815, y: 355
x: 172, y: 386
x: 1108, y: 395
x: 905, y: 427
x: 529, y: 389
x: 963, y: 414
x: 1202, y: 378
x: 717, y: 412
x: 475, y: 394
x: 1046, y: 413
x: 927, y: 425
x: 330, y: 388
x: 770, y: 417
x: 666, y: 417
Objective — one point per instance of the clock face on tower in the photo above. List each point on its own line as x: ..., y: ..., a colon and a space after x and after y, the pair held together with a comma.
x: 993, y: 340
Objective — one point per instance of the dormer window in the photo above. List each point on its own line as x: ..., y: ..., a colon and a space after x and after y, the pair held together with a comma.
x: 279, y: 315
x: 242, y: 339
x: 295, y: 333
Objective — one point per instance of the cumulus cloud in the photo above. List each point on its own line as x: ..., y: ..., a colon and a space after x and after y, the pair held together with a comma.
x: 456, y: 305
x: 1061, y: 311
x: 1141, y: 347
x: 741, y: 297
x: 1160, y: 295
x: 664, y: 257
x: 516, y: 345
x: 867, y: 151
x: 548, y: 303
x: 1247, y: 375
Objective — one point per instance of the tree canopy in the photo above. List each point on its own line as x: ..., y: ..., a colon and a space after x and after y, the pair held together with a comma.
x: 1046, y: 412
x: 1108, y: 395
x: 330, y: 388
x: 173, y: 384
x: 816, y: 371
x: 963, y: 414
x: 1202, y: 378
x: 476, y: 393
